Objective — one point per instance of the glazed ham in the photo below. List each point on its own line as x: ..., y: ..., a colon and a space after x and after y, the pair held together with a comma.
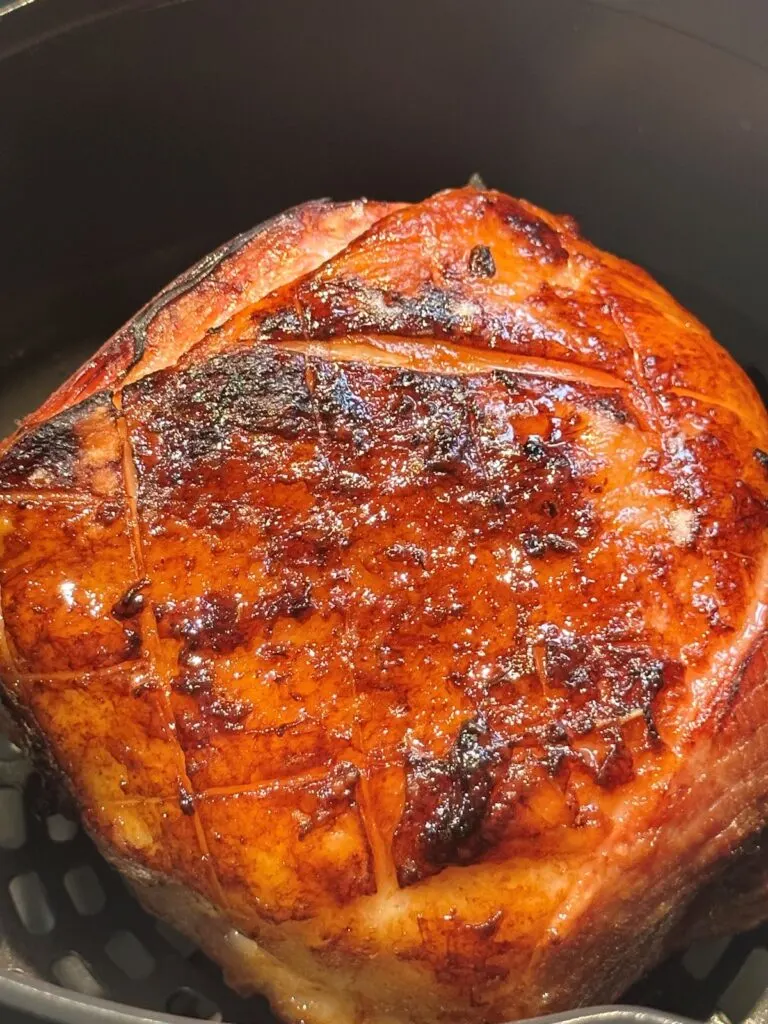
x: 390, y: 594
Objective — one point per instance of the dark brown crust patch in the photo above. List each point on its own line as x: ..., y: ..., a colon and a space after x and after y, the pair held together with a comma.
x: 481, y: 262
x: 132, y: 601
x: 51, y: 455
x: 446, y: 803
x: 542, y: 242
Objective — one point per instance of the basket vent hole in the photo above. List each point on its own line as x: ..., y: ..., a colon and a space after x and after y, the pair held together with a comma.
x: 747, y: 987
x: 126, y: 952
x: 61, y: 829
x: 8, y: 750
x: 186, y: 1002
x: 702, y: 957
x: 85, y: 890
x: 13, y: 828
x: 72, y: 972
x: 31, y: 902
x: 184, y: 947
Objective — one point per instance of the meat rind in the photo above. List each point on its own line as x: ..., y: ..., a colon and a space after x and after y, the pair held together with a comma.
x: 240, y: 272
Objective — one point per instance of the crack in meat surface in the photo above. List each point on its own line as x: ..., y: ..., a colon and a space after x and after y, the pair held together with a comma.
x: 395, y: 584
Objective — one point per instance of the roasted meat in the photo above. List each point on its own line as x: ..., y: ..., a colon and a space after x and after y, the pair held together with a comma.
x: 390, y: 595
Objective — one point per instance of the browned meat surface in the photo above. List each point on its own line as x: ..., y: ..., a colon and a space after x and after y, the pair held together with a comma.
x: 391, y: 596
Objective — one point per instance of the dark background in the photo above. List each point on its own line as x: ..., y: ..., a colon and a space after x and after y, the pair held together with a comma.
x: 132, y: 144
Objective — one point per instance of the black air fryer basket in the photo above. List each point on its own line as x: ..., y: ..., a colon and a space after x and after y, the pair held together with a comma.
x: 136, y: 136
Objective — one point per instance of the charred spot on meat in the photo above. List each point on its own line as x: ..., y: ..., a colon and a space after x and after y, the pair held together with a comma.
x: 481, y: 263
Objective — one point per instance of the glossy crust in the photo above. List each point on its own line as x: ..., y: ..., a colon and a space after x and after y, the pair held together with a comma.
x: 410, y: 621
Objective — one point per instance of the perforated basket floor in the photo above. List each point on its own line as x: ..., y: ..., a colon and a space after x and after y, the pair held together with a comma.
x: 66, y: 916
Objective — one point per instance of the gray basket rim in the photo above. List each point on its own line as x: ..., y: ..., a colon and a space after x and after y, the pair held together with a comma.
x: 52, y: 1003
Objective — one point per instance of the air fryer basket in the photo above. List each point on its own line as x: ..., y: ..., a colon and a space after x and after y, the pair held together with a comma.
x: 135, y: 135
